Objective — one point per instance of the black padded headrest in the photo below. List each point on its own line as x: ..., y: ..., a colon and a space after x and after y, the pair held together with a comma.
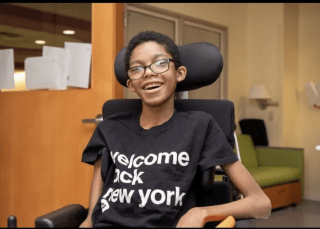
x: 203, y: 62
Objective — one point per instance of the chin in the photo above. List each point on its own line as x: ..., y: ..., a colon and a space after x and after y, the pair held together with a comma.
x: 153, y: 103
x: 156, y: 102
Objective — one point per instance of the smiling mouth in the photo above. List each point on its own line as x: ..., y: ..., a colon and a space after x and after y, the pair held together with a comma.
x: 153, y: 86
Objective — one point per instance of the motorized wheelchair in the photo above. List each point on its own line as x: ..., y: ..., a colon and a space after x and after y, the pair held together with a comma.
x: 204, y: 64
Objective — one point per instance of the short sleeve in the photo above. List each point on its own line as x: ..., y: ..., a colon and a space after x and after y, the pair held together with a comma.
x: 94, y: 148
x: 216, y: 149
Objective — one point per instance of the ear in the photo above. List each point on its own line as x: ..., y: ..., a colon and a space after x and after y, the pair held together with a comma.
x: 181, y: 73
x: 130, y: 86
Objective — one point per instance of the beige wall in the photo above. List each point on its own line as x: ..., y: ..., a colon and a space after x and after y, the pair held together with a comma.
x: 255, y: 53
x: 308, y: 118
x: 264, y: 53
x: 290, y: 76
x: 234, y: 16
x: 276, y: 45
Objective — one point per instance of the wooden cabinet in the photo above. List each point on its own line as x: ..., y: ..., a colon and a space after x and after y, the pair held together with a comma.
x: 283, y: 195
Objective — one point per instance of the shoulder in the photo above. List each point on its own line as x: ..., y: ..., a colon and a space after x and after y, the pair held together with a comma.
x: 116, y: 119
x: 119, y: 116
x: 195, y: 114
x: 198, y: 117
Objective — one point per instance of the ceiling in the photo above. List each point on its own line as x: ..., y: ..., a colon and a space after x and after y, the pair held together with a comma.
x: 23, y: 23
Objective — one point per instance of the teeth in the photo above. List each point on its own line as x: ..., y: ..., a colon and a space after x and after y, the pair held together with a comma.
x: 150, y: 86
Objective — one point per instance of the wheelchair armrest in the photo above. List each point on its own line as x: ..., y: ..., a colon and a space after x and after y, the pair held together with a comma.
x: 69, y: 216
x: 221, y: 192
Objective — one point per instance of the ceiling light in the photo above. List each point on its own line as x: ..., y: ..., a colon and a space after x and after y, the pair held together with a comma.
x: 40, y: 42
x: 69, y: 32
x: 318, y: 147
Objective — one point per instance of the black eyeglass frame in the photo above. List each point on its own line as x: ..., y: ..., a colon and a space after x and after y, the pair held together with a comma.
x: 149, y: 66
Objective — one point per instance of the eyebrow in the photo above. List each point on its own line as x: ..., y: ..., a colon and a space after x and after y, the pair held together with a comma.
x: 154, y: 57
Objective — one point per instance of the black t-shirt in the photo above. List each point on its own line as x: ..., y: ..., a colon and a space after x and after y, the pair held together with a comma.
x: 148, y: 174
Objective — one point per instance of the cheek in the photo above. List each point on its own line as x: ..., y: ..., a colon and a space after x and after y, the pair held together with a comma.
x: 134, y: 86
x: 172, y: 83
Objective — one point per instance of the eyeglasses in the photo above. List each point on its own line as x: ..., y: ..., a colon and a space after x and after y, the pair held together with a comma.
x: 159, y: 66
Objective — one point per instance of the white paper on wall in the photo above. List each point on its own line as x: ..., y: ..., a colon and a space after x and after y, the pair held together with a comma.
x: 313, y: 93
x: 63, y: 56
x: 42, y: 72
x: 317, y: 86
x: 6, y: 69
x: 80, y: 60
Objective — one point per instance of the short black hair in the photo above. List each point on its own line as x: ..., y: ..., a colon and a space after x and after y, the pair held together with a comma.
x: 159, y: 38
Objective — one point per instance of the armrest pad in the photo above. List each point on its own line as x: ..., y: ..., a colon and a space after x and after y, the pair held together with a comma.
x: 240, y: 223
x: 69, y: 216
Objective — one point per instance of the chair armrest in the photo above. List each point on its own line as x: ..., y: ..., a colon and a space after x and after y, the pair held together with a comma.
x: 69, y: 216
x: 280, y: 156
x: 240, y: 223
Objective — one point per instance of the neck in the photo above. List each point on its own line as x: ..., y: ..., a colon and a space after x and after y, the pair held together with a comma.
x: 156, y: 115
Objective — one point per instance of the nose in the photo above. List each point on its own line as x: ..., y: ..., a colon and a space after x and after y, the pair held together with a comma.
x: 148, y: 72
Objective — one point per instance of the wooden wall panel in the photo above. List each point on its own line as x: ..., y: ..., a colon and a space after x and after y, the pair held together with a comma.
x: 42, y: 136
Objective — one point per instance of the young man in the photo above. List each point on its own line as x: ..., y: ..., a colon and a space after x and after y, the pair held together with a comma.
x: 145, y: 163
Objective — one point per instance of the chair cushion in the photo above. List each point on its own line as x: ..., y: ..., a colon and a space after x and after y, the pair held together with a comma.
x: 247, y: 151
x: 271, y: 176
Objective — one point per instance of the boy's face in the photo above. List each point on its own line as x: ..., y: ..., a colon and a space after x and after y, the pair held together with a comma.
x: 145, y: 54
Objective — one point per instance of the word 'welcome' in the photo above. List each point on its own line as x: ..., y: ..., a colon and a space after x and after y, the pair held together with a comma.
x: 174, y: 158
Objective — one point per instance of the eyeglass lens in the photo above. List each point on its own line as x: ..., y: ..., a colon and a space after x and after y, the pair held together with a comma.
x: 157, y: 67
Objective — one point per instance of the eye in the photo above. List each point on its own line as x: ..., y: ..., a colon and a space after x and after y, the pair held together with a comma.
x: 136, y: 69
x: 162, y: 63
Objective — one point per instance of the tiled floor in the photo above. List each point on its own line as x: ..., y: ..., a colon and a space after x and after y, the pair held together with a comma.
x: 305, y: 214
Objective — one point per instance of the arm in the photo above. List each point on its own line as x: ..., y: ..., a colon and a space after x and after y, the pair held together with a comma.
x: 96, y: 189
x: 254, y: 204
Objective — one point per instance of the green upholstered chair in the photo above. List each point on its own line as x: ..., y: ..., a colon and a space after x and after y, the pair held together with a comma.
x: 271, y: 166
